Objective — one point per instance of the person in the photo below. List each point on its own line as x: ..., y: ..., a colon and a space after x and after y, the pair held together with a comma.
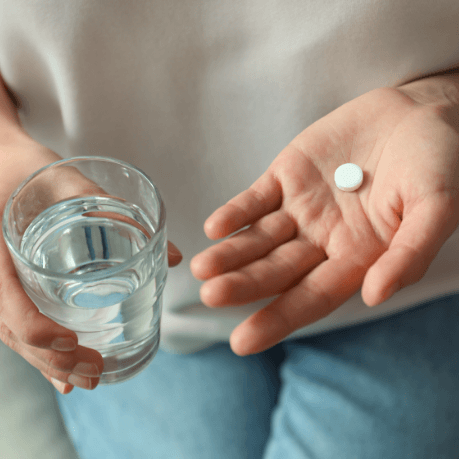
x: 327, y: 324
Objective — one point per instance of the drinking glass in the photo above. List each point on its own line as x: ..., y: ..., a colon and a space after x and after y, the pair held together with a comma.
x: 87, y: 236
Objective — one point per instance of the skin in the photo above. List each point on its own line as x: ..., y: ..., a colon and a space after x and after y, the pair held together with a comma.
x: 316, y: 246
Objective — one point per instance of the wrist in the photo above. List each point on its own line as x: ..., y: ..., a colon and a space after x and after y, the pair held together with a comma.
x: 440, y: 89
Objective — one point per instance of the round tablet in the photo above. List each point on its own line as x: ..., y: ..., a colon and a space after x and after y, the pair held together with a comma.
x: 348, y: 177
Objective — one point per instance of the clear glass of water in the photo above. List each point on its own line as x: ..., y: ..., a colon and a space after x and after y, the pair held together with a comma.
x: 87, y: 236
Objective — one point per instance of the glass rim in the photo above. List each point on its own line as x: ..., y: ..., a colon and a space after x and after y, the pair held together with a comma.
x: 98, y: 274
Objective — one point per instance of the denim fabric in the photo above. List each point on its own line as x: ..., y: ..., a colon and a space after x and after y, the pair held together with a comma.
x: 387, y: 389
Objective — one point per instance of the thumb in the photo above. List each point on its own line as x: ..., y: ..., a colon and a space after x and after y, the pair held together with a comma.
x: 422, y: 233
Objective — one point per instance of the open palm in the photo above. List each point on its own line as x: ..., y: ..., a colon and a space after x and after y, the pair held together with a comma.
x: 314, y: 245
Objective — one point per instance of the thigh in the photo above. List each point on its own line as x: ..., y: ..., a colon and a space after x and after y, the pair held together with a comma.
x: 388, y: 389
x: 211, y: 404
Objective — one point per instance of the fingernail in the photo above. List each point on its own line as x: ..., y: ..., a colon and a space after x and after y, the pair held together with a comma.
x: 64, y: 344
x: 84, y: 383
x: 86, y: 369
x: 60, y: 386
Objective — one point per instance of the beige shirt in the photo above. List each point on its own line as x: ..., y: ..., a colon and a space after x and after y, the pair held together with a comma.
x: 203, y: 96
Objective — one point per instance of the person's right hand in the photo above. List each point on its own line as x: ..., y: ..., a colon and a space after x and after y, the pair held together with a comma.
x: 46, y: 345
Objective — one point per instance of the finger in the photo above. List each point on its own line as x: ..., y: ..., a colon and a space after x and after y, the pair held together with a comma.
x: 24, y: 319
x: 49, y: 359
x: 327, y: 287
x: 266, y: 277
x: 245, y: 247
x: 174, y: 255
x: 59, y: 365
x: 263, y: 197
x: 415, y: 245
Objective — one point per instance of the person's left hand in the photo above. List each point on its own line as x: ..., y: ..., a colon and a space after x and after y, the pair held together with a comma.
x: 315, y: 245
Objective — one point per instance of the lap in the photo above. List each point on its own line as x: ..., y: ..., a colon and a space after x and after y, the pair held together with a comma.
x: 385, y: 389
x: 211, y: 404
x: 388, y: 389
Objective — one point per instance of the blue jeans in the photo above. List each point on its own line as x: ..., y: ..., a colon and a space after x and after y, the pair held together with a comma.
x: 388, y: 389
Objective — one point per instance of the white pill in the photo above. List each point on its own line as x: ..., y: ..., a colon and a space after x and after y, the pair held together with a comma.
x: 348, y: 177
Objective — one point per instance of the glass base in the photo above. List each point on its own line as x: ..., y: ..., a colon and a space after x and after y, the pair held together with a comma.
x: 124, y: 365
